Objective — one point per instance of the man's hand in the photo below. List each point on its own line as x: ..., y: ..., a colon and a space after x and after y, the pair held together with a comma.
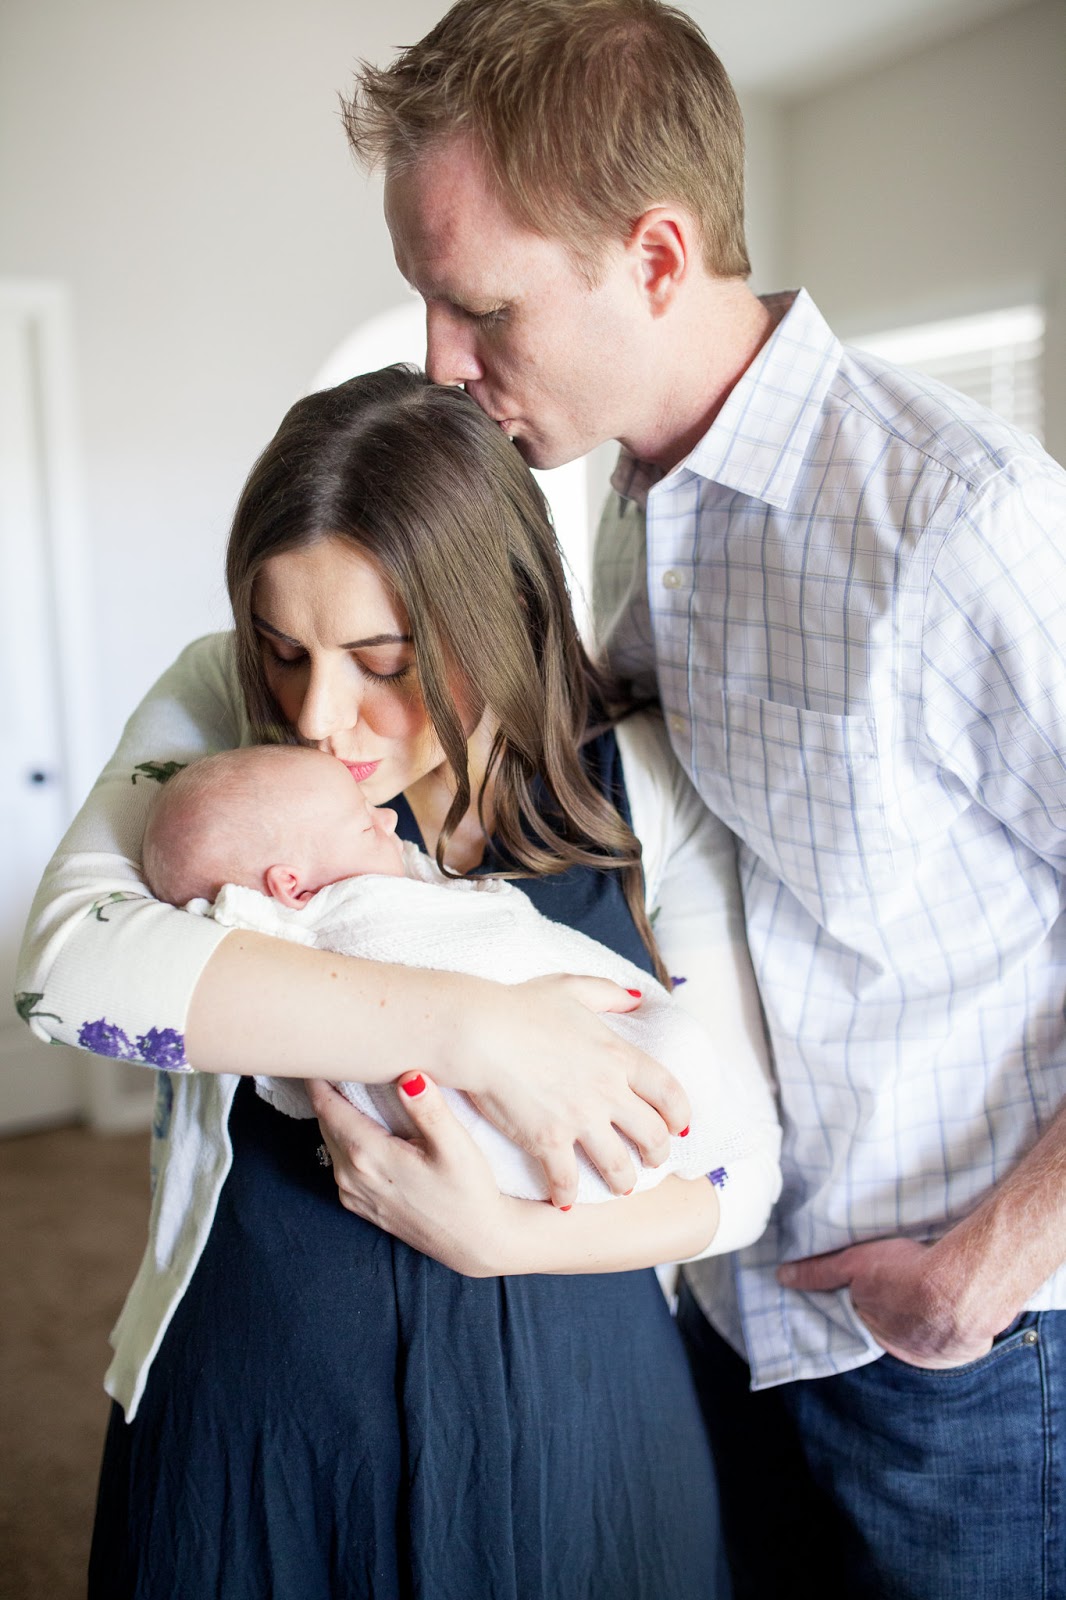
x: 906, y: 1294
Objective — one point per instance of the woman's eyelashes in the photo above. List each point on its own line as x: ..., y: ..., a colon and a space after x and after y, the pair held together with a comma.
x: 395, y: 676
x: 276, y: 660
x: 283, y: 663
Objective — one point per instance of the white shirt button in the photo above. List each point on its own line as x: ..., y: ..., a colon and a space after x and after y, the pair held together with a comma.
x: 672, y: 579
x: 677, y: 723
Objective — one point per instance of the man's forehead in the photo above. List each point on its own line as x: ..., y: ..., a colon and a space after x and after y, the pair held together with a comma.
x: 449, y: 228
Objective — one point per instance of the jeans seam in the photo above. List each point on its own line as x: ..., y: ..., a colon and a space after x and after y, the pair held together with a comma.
x: 1045, y: 1400
x: 1015, y: 1343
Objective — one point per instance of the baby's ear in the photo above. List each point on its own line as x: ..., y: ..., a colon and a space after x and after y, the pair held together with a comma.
x: 283, y: 883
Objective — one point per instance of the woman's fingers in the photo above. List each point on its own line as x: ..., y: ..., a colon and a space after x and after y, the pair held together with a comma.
x: 434, y: 1190
x: 647, y: 1078
x: 601, y: 994
x: 553, y: 1076
x: 342, y: 1123
x: 644, y: 1127
x: 349, y: 1136
x: 442, y: 1135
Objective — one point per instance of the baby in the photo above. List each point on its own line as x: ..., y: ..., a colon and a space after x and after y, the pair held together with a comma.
x: 281, y: 819
x: 279, y: 839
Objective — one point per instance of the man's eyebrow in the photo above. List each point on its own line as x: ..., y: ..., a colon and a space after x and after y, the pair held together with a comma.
x: 352, y: 644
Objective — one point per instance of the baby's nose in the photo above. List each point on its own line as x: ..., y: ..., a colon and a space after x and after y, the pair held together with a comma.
x: 387, y: 819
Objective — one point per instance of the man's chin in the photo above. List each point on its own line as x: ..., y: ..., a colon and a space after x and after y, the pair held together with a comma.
x: 541, y: 455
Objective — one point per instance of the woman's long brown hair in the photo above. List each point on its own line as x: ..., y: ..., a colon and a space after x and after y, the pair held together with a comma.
x: 417, y: 478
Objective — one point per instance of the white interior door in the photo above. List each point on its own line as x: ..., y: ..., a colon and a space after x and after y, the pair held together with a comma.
x: 38, y: 1082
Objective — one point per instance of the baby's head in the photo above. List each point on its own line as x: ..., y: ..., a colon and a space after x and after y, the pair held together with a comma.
x: 283, y: 819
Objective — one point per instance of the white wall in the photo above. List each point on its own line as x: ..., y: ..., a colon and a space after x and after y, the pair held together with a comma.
x: 938, y: 186
x: 183, y: 170
x: 765, y: 213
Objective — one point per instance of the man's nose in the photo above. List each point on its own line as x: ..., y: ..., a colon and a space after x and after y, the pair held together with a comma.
x: 451, y: 356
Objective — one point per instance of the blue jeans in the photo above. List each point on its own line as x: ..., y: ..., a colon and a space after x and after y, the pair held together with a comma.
x: 892, y: 1481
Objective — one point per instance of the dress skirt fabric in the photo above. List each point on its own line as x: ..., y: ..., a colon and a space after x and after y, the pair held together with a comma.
x: 334, y: 1416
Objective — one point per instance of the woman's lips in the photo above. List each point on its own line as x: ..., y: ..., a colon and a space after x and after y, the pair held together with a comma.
x: 361, y: 770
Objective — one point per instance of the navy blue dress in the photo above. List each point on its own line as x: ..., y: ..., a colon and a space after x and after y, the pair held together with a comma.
x: 334, y: 1416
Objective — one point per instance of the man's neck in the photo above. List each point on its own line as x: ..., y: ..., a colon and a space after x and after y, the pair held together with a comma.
x: 714, y: 340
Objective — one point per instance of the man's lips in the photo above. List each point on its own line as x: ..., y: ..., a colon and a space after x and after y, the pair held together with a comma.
x: 361, y: 770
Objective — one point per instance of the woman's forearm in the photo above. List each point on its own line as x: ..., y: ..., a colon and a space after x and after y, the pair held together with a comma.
x: 672, y: 1222
x: 535, y: 1056
x: 268, y: 1006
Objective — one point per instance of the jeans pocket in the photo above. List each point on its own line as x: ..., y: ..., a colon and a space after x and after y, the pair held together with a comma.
x: 1018, y: 1335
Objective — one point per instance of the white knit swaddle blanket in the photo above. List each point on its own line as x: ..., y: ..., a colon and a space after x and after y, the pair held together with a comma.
x: 488, y: 928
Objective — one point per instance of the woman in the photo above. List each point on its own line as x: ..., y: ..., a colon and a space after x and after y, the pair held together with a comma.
x: 310, y: 1407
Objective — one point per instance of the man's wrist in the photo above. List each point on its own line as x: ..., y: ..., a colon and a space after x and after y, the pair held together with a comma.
x: 964, y: 1292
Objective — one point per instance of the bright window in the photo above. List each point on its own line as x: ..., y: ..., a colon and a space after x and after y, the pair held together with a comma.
x: 996, y: 359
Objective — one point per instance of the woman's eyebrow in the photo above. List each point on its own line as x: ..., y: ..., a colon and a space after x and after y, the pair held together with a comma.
x: 353, y: 644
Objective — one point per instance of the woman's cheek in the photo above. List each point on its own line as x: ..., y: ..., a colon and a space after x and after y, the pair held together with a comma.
x: 397, y: 718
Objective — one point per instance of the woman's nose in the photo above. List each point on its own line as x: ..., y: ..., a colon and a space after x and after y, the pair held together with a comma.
x: 450, y: 354
x: 330, y: 706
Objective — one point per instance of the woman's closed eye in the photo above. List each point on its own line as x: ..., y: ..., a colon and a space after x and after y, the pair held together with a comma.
x: 395, y: 676
x: 299, y: 659
x: 277, y: 660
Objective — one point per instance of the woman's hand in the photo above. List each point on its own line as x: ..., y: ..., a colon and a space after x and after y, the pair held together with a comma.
x: 435, y: 1191
x: 539, y: 1063
x: 534, y: 1056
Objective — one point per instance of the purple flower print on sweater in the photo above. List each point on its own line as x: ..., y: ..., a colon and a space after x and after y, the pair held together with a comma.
x: 159, y: 1047
x: 105, y: 1038
x: 163, y: 1048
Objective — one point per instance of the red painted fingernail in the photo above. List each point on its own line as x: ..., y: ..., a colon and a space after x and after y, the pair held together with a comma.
x: 566, y: 1208
x: 414, y: 1086
x: 635, y: 993
x: 627, y: 1191
x: 683, y: 1134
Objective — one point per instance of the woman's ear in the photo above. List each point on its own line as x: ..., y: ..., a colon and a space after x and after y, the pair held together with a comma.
x: 283, y: 884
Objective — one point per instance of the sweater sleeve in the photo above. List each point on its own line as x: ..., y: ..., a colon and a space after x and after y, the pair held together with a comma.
x: 104, y: 966
x: 694, y: 901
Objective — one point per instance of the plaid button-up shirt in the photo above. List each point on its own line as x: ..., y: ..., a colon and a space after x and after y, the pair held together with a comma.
x: 851, y: 596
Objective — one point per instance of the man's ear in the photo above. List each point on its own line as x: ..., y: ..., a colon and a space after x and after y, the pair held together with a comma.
x: 283, y: 883
x: 664, y: 247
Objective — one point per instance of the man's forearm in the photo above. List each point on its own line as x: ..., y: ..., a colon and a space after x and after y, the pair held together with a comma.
x: 988, y: 1265
x: 941, y: 1305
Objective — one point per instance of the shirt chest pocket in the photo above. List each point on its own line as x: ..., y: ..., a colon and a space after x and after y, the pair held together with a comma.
x: 806, y: 788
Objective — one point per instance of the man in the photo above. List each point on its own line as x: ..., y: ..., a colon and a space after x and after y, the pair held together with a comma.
x: 847, y: 585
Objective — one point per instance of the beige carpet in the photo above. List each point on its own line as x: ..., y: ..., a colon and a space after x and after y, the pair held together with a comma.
x: 73, y: 1214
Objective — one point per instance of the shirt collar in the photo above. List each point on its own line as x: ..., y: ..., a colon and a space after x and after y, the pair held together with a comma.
x: 757, y: 442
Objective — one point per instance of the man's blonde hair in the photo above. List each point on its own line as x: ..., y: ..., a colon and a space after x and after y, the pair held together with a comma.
x: 587, y: 112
